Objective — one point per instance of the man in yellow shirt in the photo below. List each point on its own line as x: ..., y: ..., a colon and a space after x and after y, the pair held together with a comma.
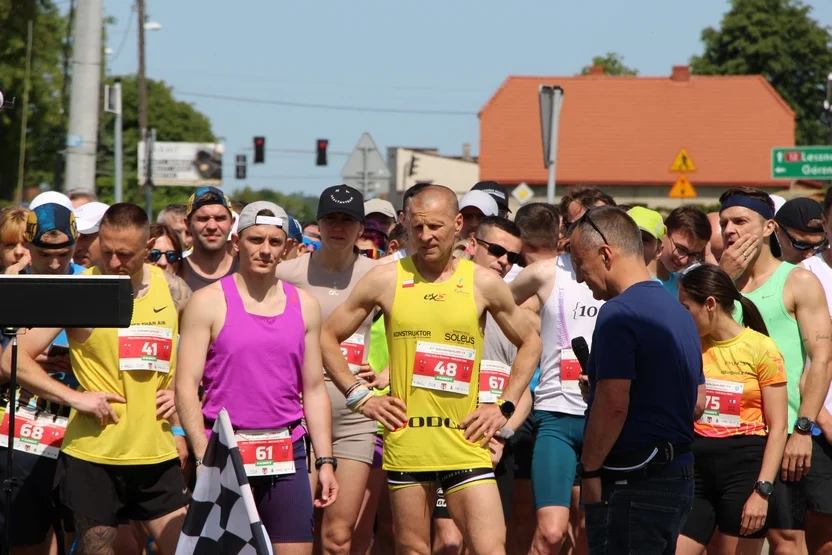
x: 118, y: 461
x: 435, y: 306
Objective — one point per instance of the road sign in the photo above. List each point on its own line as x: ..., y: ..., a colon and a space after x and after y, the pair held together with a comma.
x: 365, y: 169
x: 523, y: 193
x: 551, y: 102
x: 188, y: 164
x: 683, y: 163
x: 801, y: 162
x: 682, y: 188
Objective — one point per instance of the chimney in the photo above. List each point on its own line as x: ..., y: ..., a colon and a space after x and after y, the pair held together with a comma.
x: 680, y: 74
x: 466, y: 152
x: 596, y: 70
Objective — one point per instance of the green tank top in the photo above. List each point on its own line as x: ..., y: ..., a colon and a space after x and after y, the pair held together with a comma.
x: 783, y: 329
x: 379, y: 357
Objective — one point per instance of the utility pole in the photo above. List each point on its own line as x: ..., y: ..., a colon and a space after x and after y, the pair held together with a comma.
x: 61, y: 138
x: 141, y: 78
x: 21, y: 163
x: 112, y: 104
x: 82, y: 139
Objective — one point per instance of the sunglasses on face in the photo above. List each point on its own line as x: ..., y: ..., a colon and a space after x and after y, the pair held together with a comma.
x: 803, y: 245
x: 499, y: 251
x: 172, y: 256
x: 373, y: 254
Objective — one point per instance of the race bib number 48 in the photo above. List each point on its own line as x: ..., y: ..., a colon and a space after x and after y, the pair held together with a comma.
x: 353, y: 351
x: 38, y: 433
x: 145, y: 348
x: 722, y: 403
x: 443, y: 367
x: 266, y: 452
x: 493, y: 380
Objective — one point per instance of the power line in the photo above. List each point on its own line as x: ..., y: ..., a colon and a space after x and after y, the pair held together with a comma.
x: 321, y: 177
x: 343, y: 108
x: 124, y: 37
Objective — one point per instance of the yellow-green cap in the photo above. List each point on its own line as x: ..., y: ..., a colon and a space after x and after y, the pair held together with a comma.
x: 648, y: 220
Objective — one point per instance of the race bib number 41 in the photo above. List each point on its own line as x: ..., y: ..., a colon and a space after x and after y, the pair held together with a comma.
x: 722, y: 403
x: 493, y: 380
x: 145, y: 348
x: 266, y: 452
x: 443, y: 367
x: 37, y: 433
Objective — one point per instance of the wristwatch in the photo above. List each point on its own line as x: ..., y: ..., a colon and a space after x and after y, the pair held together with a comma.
x: 588, y: 474
x: 764, y: 488
x: 804, y: 425
x: 506, y: 407
x: 320, y: 461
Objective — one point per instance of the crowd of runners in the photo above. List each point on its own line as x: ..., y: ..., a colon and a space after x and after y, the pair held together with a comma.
x: 412, y: 376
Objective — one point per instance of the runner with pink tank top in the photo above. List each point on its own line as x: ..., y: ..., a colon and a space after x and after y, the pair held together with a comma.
x: 253, y: 342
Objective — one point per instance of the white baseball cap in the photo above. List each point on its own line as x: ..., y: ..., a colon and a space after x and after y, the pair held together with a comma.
x: 88, y: 217
x: 480, y: 200
x: 248, y: 216
x: 379, y: 206
x: 50, y: 197
x: 778, y: 202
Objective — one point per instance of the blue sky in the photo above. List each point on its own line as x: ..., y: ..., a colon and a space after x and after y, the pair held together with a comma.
x: 432, y: 55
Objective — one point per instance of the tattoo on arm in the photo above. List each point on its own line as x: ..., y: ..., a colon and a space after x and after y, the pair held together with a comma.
x: 94, y: 538
x: 179, y: 291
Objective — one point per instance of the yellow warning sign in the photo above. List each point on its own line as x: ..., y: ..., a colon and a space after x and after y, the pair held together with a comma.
x: 683, y: 162
x: 682, y: 188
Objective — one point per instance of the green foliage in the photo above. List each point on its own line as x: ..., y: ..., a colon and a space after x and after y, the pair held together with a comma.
x: 299, y: 207
x: 44, y: 118
x: 779, y: 40
x: 613, y: 64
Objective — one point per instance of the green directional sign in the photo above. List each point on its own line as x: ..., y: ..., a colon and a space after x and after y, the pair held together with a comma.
x: 801, y: 162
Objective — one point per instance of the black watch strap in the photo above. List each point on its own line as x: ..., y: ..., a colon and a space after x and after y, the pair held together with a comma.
x: 320, y: 461
x: 589, y: 474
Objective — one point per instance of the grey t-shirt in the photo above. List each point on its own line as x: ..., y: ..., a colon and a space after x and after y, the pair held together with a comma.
x: 196, y: 281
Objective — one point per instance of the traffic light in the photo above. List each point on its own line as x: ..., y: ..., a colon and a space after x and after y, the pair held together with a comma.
x: 321, y: 159
x: 414, y: 163
x: 259, y: 150
x: 240, y: 167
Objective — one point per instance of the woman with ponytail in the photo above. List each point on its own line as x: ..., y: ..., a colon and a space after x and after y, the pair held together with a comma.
x: 740, y: 438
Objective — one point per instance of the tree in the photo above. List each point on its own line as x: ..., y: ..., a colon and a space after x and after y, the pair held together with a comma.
x: 613, y: 64
x: 174, y: 121
x: 45, y: 106
x: 299, y: 207
x: 779, y: 40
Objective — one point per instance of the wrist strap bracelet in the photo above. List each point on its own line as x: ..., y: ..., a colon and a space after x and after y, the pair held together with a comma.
x: 177, y: 431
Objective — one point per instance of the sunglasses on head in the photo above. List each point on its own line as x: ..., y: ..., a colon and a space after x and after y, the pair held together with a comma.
x: 373, y: 254
x: 498, y: 251
x: 172, y: 256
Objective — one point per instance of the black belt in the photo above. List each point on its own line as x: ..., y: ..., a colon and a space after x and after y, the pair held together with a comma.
x: 646, y: 462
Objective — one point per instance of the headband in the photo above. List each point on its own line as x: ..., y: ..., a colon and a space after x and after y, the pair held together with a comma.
x: 760, y: 207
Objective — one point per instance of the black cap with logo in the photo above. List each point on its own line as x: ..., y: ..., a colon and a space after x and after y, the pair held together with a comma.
x: 341, y: 199
x: 801, y: 214
x: 495, y: 190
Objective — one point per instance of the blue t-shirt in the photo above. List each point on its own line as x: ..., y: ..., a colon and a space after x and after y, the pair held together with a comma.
x: 646, y: 336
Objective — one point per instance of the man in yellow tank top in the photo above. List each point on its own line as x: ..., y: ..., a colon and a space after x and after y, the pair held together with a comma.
x: 118, y: 458
x: 434, y: 307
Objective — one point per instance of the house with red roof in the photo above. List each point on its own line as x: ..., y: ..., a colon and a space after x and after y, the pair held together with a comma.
x: 623, y: 133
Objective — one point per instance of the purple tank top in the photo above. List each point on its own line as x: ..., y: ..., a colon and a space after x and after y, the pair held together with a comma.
x: 253, y: 368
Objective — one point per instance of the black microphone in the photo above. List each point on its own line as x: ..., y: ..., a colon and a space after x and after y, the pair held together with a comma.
x: 581, y: 350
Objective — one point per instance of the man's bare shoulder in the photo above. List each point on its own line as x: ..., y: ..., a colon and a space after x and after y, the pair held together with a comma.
x: 487, y: 280
x: 208, y: 300
x: 803, y: 284
x: 380, y: 274
x: 179, y: 290
x: 309, y: 306
x: 539, y: 273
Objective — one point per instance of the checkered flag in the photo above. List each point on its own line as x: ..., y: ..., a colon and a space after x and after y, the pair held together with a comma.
x: 222, y: 518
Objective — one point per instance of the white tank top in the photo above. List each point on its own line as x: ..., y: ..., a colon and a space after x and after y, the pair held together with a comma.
x: 818, y: 266
x: 569, y: 312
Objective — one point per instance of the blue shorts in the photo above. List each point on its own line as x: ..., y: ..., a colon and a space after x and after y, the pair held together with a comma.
x: 558, y: 443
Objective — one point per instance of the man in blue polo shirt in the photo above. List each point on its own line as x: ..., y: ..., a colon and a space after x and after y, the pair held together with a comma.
x: 645, y: 372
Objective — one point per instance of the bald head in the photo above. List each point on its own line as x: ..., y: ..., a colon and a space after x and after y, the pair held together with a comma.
x: 434, y: 198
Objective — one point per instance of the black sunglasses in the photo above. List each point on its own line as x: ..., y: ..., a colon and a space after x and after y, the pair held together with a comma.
x: 172, y: 256
x: 499, y: 251
x: 803, y: 245
x: 586, y: 218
